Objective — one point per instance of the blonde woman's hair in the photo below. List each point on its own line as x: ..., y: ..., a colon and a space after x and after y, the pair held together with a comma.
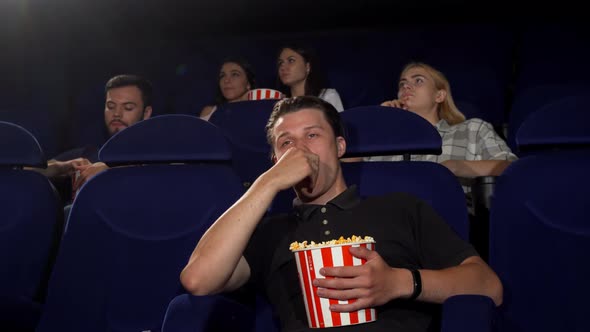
x: 447, y: 110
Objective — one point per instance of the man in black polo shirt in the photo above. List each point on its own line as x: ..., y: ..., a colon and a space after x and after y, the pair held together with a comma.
x: 419, y: 260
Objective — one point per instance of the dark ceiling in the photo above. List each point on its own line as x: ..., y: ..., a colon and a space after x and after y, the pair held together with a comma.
x: 183, y: 18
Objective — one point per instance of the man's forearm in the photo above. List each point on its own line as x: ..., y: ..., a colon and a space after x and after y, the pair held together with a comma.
x: 473, y: 276
x: 223, y: 244
x: 52, y: 170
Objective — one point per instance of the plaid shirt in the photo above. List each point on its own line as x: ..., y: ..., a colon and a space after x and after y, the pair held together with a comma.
x: 473, y: 139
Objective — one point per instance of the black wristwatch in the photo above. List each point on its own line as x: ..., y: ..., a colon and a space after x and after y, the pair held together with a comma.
x: 417, y: 284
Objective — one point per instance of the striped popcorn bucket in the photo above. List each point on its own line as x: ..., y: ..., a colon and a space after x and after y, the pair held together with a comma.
x: 259, y: 94
x: 309, y: 262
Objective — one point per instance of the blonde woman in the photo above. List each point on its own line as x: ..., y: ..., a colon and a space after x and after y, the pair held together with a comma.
x: 471, y: 147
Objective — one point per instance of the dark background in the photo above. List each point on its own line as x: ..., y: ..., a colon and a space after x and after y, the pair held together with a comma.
x: 54, y: 52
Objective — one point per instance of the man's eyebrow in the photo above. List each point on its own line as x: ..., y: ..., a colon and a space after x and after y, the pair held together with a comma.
x: 313, y: 127
x: 285, y: 133
x: 124, y: 103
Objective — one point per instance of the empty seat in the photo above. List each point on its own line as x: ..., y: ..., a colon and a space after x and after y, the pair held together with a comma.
x: 539, y: 230
x: 29, y: 228
x: 539, y: 234
x: 532, y: 99
x: 561, y: 124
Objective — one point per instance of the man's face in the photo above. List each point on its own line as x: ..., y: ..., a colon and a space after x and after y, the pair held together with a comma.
x: 308, y: 130
x: 123, y: 108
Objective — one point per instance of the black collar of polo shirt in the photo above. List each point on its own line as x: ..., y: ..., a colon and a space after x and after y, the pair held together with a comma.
x: 346, y: 200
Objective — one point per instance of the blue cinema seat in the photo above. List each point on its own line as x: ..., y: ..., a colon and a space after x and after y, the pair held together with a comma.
x: 561, y: 124
x: 379, y: 130
x: 133, y: 227
x: 532, y: 99
x: 244, y: 125
x: 213, y: 313
x: 539, y: 229
x: 30, y: 226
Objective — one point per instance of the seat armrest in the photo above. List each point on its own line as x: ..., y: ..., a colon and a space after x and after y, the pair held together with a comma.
x: 207, y: 313
x: 468, y: 313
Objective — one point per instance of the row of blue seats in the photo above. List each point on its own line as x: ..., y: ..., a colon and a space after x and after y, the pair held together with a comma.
x: 490, y: 66
x: 132, y: 229
x: 179, y: 194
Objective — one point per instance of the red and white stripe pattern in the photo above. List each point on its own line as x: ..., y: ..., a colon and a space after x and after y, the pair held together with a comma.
x: 309, y: 262
x: 259, y: 94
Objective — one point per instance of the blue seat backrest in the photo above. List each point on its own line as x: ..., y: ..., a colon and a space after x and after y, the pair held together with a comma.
x: 172, y: 138
x: 19, y: 147
x: 533, y: 99
x: 208, y: 313
x: 30, y: 223
x: 380, y: 130
x: 244, y: 125
x: 564, y: 123
x: 431, y: 182
x: 539, y: 239
x: 539, y: 230
x: 132, y: 229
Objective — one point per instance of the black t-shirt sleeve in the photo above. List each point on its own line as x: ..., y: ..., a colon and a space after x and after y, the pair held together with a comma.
x: 437, y: 243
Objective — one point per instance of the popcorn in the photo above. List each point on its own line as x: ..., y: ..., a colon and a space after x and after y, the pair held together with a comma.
x: 310, y: 258
x: 353, y: 239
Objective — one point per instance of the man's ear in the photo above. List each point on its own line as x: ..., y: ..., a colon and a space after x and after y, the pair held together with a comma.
x: 341, y: 145
x: 441, y: 95
x: 147, y: 113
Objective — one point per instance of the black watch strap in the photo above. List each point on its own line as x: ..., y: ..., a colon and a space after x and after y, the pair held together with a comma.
x: 417, y: 284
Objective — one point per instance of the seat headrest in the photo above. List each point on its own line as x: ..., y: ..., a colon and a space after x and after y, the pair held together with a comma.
x: 18, y: 147
x: 167, y: 139
x: 562, y: 123
x: 257, y: 110
x: 380, y: 130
